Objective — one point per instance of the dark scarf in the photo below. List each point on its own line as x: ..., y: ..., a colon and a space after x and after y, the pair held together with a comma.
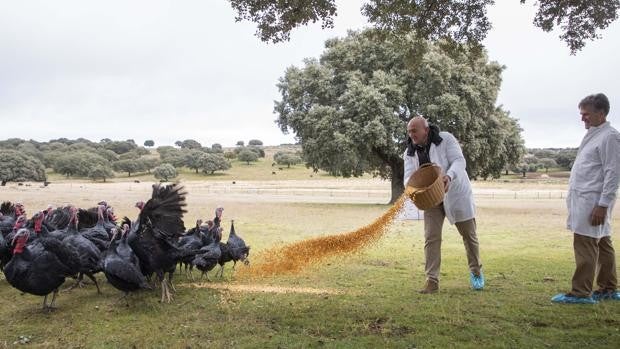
x: 423, y: 151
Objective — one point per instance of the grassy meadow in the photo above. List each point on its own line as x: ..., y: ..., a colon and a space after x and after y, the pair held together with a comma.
x: 365, y: 300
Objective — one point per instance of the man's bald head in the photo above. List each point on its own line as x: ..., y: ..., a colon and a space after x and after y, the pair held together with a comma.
x: 419, y: 121
x: 417, y: 130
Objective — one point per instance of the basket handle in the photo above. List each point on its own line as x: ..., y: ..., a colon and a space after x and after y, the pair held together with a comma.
x: 427, y: 165
x: 419, y: 191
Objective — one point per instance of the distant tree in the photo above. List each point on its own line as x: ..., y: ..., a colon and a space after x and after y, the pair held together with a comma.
x: 105, y: 140
x: 100, y: 172
x: 287, y: 158
x: 230, y: 155
x: 86, y: 141
x: 278, y: 154
x: 11, y: 143
x: 238, y: 150
x: 521, y: 168
x: 62, y: 140
x: 543, y: 153
x: 78, y: 163
x: 149, y: 163
x: 258, y: 150
x: 547, y: 163
x: 162, y: 150
x: 566, y: 158
x: 51, y: 146
x: 129, y: 165
x: 190, y: 144
x: 217, y: 148
x: 30, y: 149
x: 175, y: 157
x: 214, y: 162
x: 107, y: 154
x: 149, y: 143
x: 165, y: 172
x: 15, y: 167
x: 178, y: 144
x: 121, y: 147
x: 240, y: 143
x: 129, y: 155
x: 247, y: 156
x: 255, y: 142
x: 82, y: 147
x: 142, y: 151
x: 194, y: 159
x: 50, y: 157
x: 530, y: 159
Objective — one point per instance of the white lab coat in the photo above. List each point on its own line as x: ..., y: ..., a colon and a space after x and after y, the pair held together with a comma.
x: 459, y: 200
x: 594, y: 180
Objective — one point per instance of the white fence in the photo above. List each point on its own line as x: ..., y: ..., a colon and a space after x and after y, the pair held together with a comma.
x: 377, y: 193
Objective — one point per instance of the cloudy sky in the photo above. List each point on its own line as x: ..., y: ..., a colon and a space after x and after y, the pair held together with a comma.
x: 174, y: 70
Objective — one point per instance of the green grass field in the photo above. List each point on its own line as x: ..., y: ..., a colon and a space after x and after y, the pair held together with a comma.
x: 366, y: 300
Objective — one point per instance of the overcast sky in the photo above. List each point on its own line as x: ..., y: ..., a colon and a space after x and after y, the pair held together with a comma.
x: 175, y: 70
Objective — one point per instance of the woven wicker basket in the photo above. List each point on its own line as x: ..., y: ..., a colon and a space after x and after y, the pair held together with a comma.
x: 425, y: 186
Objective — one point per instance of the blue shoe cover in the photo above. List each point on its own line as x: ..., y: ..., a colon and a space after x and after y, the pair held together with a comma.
x: 569, y: 299
x: 477, y: 281
x: 604, y: 296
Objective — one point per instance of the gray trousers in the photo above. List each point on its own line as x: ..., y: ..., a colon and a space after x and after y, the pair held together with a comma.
x: 433, y: 225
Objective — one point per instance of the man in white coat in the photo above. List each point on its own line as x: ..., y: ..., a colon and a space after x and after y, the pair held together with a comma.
x: 427, y: 145
x: 592, y: 191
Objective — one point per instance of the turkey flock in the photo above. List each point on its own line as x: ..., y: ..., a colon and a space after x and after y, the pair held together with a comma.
x: 38, y: 254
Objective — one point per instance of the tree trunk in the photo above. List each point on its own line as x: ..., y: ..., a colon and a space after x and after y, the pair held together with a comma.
x: 196, y: 170
x: 3, y: 183
x: 129, y: 174
x: 398, y: 187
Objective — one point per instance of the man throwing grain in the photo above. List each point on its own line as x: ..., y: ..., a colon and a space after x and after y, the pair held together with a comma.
x: 592, y: 191
x: 427, y: 144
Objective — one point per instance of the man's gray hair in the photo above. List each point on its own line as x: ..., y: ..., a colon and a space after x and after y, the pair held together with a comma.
x: 597, y: 101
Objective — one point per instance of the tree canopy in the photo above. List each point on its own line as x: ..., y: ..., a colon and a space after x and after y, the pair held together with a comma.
x: 214, y: 162
x: 129, y: 165
x: 16, y: 166
x: 287, y: 158
x: 349, y: 108
x: 247, y: 155
x: 100, y: 172
x: 189, y: 144
x: 165, y: 172
x: 78, y: 163
x: 458, y: 21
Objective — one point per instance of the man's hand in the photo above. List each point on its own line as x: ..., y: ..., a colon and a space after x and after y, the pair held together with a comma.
x: 598, y: 215
x: 446, y: 183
